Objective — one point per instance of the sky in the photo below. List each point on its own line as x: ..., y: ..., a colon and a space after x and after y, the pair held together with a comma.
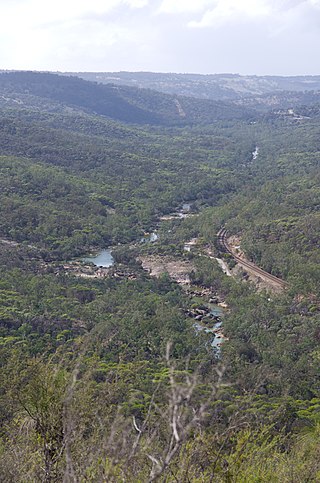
x: 263, y: 37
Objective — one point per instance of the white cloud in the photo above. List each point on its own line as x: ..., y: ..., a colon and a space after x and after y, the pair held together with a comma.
x: 207, y: 13
x: 35, y: 31
x: 225, y: 10
x: 137, y: 3
x: 184, y: 6
x: 38, y: 12
x: 226, y: 35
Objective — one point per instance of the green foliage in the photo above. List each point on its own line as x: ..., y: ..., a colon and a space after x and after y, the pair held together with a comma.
x: 87, y: 392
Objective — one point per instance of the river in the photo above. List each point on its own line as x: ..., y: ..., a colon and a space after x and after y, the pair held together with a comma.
x: 215, y: 330
x: 105, y: 259
x: 102, y: 259
x: 150, y: 238
x: 255, y: 153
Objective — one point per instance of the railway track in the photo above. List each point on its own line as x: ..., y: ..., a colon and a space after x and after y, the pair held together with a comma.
x: 222, y: 238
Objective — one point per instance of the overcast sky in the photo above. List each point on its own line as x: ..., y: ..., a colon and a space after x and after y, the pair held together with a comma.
x: 204, y: 36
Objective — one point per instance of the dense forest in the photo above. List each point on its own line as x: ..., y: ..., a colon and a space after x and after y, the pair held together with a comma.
x: 112, y: 374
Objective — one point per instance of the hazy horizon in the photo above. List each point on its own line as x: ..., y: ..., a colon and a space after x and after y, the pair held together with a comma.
x: 123, y: 71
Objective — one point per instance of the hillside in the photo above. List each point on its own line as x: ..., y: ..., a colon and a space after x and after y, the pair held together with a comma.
x: 210, y: 86
x: 160, y: 366
x: 126, y: 104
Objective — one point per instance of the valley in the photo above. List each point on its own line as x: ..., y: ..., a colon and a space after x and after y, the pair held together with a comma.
x: 159, y: 278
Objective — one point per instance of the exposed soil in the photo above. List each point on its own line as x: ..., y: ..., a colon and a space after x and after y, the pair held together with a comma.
x: 177, y: 269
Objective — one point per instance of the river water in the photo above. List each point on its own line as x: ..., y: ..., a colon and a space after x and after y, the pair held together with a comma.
x: 105, y: 259
x: 102, y: 259
x: 215, y: 330
x: 255, y: 153
x: 186, y: 207
x: 217, y: 340
x: 152, y: 237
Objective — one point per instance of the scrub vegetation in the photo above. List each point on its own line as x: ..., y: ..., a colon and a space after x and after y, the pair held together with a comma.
x: 106, y: 378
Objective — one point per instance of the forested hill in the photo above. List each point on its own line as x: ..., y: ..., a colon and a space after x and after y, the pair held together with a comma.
x: 210, y: 86
x: 124, y: 175
x: 120, y: 103
x: 159, y: 367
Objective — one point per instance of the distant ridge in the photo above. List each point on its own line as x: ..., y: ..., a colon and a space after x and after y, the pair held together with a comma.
x: 120, y: 103
x: 207, y: 86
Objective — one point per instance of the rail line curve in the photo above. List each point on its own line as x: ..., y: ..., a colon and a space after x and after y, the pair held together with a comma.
x: 222, y: 239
